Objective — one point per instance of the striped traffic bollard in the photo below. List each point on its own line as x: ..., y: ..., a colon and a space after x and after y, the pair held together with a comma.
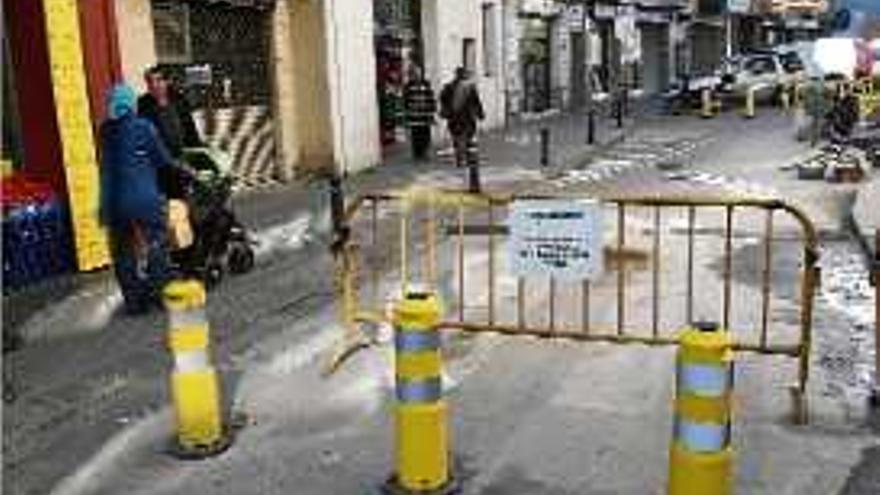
x: 422, y: 439
x: 706, y: 110
x: 785, y: 96
x: 749, y: 109
x: 701, y: 456
x: 194, y: 383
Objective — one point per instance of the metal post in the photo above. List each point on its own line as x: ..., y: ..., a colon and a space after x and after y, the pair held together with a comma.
x: 337, y: 212
x: 473, y: 164
x: 701, y: 456
x: 194, y: 385
x: 545, y: 147
x: 421, y: 430
x: 591, y: 124
x: 619, y: 110
x: 706, y: 110
x: 749, y: 109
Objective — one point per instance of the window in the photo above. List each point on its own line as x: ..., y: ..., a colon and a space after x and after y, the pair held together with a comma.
x: 172, y: 32
x: 490, y: 40
x: 760, y: 65
x: 469, y: 54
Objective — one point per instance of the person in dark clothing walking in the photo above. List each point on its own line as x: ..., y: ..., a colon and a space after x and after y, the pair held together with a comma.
x: 132, y: 207
x: 169, y: 112
x: 419, y: 107
x: 460, y: 105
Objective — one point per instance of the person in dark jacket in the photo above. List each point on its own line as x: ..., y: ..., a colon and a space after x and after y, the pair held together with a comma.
x: 132, y: 207
x: 460, y: 105
x: 169, y: 111
x: 420, y: 107
x: 171, y: 114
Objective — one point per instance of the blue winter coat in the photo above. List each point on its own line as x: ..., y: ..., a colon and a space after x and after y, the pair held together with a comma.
x: 132, y: 153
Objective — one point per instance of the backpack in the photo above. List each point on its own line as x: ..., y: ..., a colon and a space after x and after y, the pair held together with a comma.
x: 446, y: 97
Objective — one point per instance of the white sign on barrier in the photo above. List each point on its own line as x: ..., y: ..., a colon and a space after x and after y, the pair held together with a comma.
x: 558, y: 238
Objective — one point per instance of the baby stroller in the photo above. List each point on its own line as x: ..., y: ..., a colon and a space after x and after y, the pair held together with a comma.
x: 219, y: 242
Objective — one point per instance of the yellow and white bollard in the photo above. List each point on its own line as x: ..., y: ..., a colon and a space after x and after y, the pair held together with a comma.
x: 194, y: 383
x: 706, y: 110
x: 421, y: 430
x: 749, y: 109
x: 785, y: 96
x: 701, y: 456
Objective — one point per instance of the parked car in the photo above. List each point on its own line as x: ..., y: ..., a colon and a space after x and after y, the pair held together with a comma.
x: 765, y: 71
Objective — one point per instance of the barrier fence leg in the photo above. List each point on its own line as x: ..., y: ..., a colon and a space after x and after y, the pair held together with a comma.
x: 706, y: 111
x: 194, y: 384
x: 422, y: 440
x: 701, y: 456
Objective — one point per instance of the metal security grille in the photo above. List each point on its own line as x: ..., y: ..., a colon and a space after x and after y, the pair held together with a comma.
x: 656, y: 279
x: 171, y: 31
x: 220, y: 53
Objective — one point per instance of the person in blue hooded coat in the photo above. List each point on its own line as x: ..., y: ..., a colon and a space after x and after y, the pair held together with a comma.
x: 132, y: 207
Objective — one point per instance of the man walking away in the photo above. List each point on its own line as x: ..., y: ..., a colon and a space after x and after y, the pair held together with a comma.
x: 460, y: 105
x: 420, y: 108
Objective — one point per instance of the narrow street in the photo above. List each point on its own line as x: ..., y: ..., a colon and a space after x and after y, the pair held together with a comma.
x: 528, y: 415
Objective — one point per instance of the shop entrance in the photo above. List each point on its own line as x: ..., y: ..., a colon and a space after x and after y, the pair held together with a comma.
x: 398, y: 45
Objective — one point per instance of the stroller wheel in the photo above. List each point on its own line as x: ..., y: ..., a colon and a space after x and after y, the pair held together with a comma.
x: 212, y: 275
x: 240, y: 258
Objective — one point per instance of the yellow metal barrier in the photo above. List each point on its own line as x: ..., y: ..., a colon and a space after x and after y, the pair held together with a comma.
x: 422, y: 438
x: 701, y: 456
x: 194, y: 384
x: 437, y: 234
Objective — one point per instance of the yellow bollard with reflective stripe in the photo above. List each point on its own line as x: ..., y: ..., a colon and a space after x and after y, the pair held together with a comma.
x: 701, y: 456
x: 785, y: 96
x: 706, y: 104
x: 421, y: 430
x: 194, y: 382
x: 749, y: 109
